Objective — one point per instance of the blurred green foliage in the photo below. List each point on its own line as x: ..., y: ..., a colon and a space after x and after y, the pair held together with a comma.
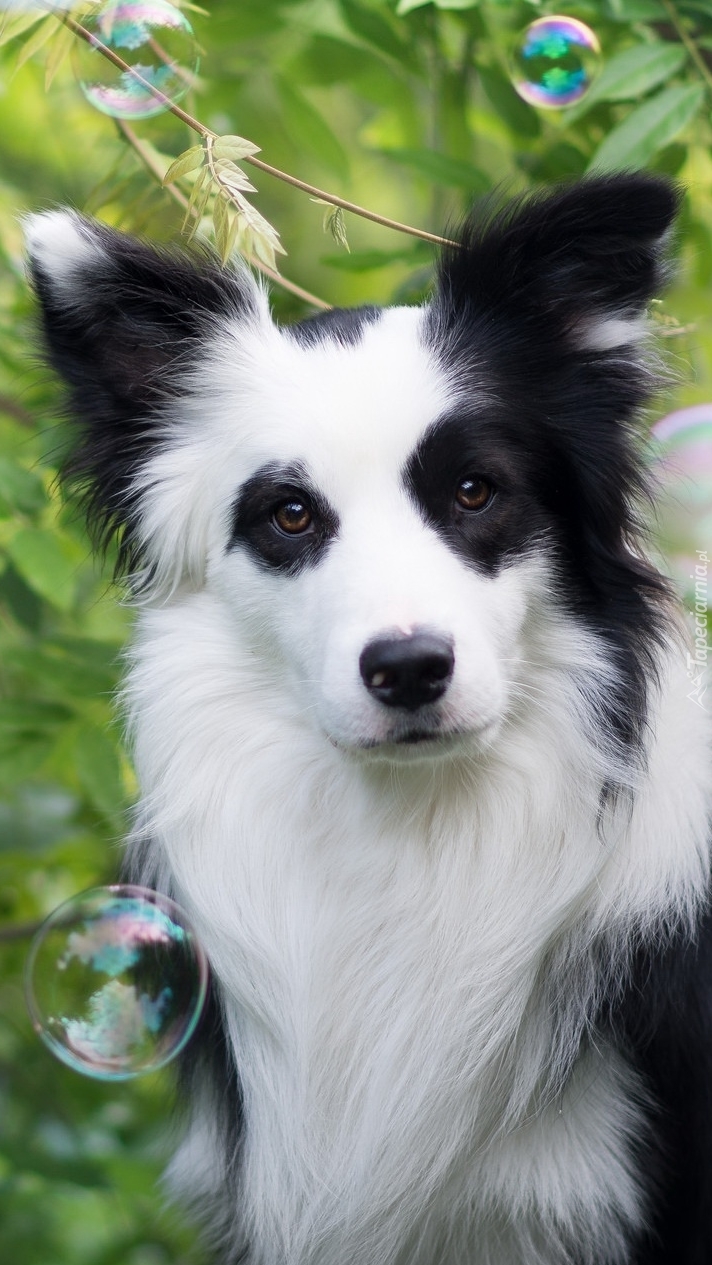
x: 410, y: 113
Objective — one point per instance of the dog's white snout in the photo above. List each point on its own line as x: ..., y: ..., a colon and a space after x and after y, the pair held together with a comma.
x: 407, y: 670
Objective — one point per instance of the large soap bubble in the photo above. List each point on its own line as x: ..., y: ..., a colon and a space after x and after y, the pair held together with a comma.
x: 682, y: 466
x: 555, y: 62
x: 155, y: 40
x: 116, y: 981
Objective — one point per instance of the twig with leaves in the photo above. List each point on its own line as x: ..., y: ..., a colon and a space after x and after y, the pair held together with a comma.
x: 212, y: 167
x: 148, y: 157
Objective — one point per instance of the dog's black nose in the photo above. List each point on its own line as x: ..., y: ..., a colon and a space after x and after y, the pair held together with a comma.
x: 407, y: 671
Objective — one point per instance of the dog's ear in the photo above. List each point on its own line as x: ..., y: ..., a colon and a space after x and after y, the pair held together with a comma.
x: 580, y: 263
x: 124, y: 323
x: 122, y: 318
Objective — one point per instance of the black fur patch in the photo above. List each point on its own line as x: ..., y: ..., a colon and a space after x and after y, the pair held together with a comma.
x: 546, y: 263
x: 508, y: 322
x: 664, y: 1024
x: 255, y: 529
x: 340, y: 325
x: 122, y: 337
x: 206, y: 1065
x: 480, y: 444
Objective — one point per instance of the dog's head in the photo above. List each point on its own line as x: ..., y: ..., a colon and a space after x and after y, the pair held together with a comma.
x: 384, y: 501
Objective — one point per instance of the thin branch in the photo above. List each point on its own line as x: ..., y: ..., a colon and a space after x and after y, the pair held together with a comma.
x: 143, y: 152
x: 12, y: 409
x: 689, y: 43
x: 674, y: 331
x: 351, y: 206
x: 202, y: 130
x: 19, y: 931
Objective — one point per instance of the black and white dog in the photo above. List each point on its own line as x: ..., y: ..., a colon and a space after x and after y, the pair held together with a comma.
x: 410, y: 715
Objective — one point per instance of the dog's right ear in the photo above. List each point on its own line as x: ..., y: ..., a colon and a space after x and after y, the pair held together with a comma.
x: 123, y: 323
x: 120, y: 316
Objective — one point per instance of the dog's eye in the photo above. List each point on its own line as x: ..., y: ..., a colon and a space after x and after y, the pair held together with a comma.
x: 474, y: 493
x: 293, y: 516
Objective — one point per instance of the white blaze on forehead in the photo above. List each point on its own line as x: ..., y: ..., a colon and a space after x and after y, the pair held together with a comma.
x: 351, y: 415
x: 345, y: 411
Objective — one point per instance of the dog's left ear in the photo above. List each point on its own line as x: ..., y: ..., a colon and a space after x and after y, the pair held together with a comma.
x: 579, y: 263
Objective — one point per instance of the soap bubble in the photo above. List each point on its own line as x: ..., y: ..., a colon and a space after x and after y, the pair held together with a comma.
x: 682, y: 466
x: 155, y: 39
x: 116, y: 981
x: 555, y: 62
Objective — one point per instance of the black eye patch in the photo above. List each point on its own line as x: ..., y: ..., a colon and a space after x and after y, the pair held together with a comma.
x: 474, y: 489
x: 281, y: 519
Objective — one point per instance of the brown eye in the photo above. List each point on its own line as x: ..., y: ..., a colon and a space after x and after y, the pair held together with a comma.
x: 474, y: 493
x: 293, y: 517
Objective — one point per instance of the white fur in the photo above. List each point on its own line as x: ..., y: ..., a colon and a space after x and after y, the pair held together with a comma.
x: 380, y: 922
x: 61, y: 246
x: 607, y: 332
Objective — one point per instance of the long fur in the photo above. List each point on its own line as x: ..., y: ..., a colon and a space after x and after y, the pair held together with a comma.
x: 462, y: 992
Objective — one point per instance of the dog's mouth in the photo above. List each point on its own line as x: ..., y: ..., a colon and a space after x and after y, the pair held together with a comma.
x: 410, y: 737
x: 414, y: 741
x: 427, y: 737
x: 425, y: 741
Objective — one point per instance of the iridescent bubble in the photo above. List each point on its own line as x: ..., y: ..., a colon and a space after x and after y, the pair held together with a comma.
x: 682, y: 466
x: 155, y: 41
x: 116, y: 981
x: 555, y: 62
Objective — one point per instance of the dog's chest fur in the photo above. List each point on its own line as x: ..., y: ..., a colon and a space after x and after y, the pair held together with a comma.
x: 406, y: 961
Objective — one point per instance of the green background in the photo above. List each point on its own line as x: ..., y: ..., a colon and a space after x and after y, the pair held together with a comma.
x: 411, y: 114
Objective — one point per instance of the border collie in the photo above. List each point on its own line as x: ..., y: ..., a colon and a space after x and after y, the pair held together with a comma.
x: 410, y: 715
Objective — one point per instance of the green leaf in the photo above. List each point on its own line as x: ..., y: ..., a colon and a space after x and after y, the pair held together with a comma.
x: 21, y: 489
x: 373, y: 27
x: 441, y: 168
x: 61, y: 46
x: 335, y: 224
x: 229, y: 176
x: 630, y: 74
x: 99, y: 771
x: 310, y: 130
x: 190, y: 160
x: 45, y: 565
x: 18, y: 598
x: 648, y: 129
x: 630, y: 11
x: 518, y: 116
x: 328, y: 60
x: 11, y: 27
x: 234, y: 147
x: 100, y: 656
x: 31, y: 715
x: 197, y: 202
x: 407, y: 6
x: 61, y: 674
x: 19, y: 760
x: 456, y: 4
x: 49, y: 27
x: 221, y: 226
